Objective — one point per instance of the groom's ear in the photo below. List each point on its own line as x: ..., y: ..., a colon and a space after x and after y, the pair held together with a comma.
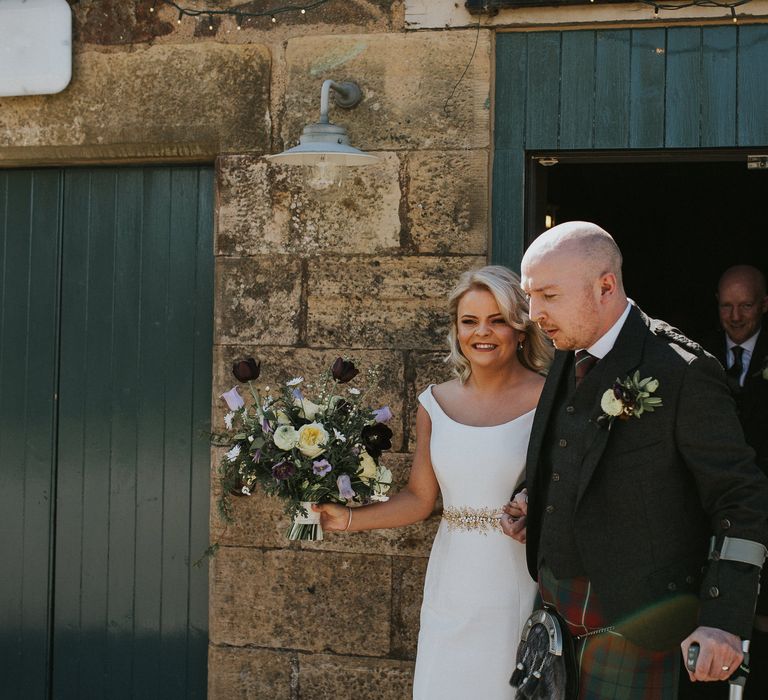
x: 608, y: 285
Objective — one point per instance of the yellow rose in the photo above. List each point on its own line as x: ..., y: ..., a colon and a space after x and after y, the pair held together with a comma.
x: 368, y: 467
x: 312, y: 439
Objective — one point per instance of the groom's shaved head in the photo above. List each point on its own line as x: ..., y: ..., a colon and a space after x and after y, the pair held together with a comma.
x: 585, y: 244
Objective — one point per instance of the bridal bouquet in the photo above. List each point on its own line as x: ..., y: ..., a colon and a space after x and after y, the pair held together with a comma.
x: 302, y: 449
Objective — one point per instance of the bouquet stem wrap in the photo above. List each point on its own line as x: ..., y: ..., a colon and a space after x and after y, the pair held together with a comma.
x: 306, y: 527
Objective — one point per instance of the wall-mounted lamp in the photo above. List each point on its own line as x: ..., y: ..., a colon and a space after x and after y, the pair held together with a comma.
x: 324, y: 148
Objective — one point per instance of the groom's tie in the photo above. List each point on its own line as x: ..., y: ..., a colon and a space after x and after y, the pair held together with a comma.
x: 737, y: 367
x: 584, y: 363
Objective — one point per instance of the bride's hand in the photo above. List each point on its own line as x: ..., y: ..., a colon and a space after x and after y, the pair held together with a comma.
x: 514, y: 517
x: 332, y: 516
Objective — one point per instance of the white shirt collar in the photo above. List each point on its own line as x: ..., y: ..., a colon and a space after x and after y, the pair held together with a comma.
x: 605, y: 344
x: 748, y: 344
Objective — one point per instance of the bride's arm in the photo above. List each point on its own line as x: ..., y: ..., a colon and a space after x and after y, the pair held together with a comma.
x: 413, y: 503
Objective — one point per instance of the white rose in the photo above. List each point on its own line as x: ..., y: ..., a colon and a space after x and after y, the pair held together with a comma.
x: 610, y: 404
x: 282, y: 417
x: 312, y: 439
x: 285, y: 437
x: 368, y: 466
x: 308, y: 409
x: 651, y: 386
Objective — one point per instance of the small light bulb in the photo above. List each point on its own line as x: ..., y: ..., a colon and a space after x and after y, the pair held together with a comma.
x: 274, y: 19
x: 303, y: 11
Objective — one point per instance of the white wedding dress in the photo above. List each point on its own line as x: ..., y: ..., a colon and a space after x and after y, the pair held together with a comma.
x: 477, y: 592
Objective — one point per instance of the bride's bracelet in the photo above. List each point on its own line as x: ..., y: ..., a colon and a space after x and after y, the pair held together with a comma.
x: 349, y: 521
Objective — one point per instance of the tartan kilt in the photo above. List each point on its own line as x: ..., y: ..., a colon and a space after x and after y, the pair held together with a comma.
x: 610, y: 666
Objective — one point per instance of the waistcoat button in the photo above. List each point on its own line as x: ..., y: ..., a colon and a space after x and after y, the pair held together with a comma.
x: 550, y: 509
x: 555, y: 476
x: 563, y: 442
x: 570, y: 409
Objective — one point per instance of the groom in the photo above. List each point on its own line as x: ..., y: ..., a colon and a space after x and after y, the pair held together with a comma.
x: 626, y: 489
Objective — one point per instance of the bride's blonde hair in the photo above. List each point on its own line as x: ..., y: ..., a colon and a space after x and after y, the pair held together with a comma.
x: 536, y: 352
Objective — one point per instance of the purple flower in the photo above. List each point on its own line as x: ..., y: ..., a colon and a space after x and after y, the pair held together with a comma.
x: 296, y: 393
x: 321, y: 467
x: 266, y: 426
x: 345, y: 487
x: 376, y: 438
x: 233, y: 399
x: 283, y: 470
x: 257, y: 456
x: 383, y: 414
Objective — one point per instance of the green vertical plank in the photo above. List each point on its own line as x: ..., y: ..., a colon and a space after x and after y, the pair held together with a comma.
x: 178, y: 422
x: 29, y: 250
x: 155, y: 264
x: 718, y: 108
x: 511, y: 89
x: 543, y: 103
x: 509, y: 207
x: 612, y: 89
x: 753, y: 86
x: 647, y: 88
x: 509, y: 135
x: 123, y: 380
x: 577, y: 88
x: 683, y: 87
x: 202, y: 307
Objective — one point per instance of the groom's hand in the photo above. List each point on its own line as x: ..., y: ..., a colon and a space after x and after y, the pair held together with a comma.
x: 514, y: 517
x: 720, y: 653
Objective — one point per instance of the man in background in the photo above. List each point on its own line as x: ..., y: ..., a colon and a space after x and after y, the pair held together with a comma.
x: 742, y: 349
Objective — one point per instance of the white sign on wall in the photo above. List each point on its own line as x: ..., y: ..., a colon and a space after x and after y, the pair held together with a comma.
x: 35, y: 47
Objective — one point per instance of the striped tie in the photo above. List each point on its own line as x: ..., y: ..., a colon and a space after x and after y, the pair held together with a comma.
x: 584, y: 363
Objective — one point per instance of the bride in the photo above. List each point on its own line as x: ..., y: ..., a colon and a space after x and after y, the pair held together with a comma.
x: 471, y: 440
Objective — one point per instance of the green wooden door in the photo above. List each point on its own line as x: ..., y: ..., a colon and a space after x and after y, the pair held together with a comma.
x: 659, y: 88
x: 130, y: 371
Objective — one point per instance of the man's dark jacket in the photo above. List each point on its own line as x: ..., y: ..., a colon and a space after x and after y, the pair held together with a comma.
x: 653, y: 490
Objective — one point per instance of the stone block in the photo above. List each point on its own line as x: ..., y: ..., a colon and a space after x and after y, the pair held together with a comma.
x: 173, y: 94
x: 326, y: 677
x: 448, y: 201
x: 249, y: 674
x: 382, y: 302
x: 266, y: 208
x: 407, y: 593
x: 423, y: 369
x: 309, y: 601
x: 413, y: 95
x: 258, y: 300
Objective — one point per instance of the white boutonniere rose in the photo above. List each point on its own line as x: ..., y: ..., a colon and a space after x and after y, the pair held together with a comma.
x: 631, y: 397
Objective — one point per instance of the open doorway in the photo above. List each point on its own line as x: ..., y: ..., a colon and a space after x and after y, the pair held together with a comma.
x: 679, y: 219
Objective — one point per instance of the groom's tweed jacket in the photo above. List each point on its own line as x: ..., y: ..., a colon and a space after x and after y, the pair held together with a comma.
x: 650, y: 491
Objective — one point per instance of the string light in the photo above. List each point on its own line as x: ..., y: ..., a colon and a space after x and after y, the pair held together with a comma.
x: 240, y: 14
x: 491, y: 7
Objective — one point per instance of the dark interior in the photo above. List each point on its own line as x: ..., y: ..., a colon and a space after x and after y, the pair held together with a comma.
x: 678, y: 224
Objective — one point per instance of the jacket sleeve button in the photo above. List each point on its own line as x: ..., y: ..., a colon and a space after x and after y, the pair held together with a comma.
x: 713, y: 591
x: 671, y: 586
x: 725, y: 523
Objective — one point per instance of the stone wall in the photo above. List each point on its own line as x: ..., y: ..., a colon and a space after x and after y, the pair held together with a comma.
x: 299, y: 281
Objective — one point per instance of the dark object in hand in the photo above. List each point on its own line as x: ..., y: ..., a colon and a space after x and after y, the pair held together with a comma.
x: 246, y: 370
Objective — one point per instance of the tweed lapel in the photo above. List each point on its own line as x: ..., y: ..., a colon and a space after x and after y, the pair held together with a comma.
x: 620, y: 362
x: 543, y: 410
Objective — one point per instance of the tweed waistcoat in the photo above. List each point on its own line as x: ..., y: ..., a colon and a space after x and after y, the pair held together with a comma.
x: 561, y: 461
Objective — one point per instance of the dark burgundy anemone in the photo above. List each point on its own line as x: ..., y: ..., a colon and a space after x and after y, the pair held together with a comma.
x: 376, y: 438
x: 283, y: 470
x: 344, y: 371
x: 246, y: 370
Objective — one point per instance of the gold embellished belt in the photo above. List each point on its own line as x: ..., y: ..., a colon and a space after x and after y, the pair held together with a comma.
x: 466, y: 518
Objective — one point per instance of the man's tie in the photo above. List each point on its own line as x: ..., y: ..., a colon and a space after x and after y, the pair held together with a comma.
x: 584, y: 363
x: 737, y: 367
